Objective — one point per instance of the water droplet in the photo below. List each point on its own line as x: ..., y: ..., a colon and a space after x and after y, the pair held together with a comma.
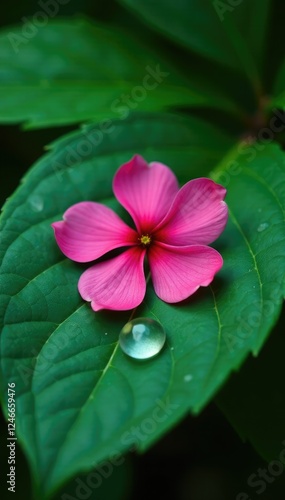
x: 37, y: 203
x: 142, y: 338
x: 262, y: 227
x: 188, y: 378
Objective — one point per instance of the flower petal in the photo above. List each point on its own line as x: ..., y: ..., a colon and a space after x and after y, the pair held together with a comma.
x: 118, y: 284
x: 145, y: 191
x: 89, y: 230
x: 177, y: 272
x: 198, y: 214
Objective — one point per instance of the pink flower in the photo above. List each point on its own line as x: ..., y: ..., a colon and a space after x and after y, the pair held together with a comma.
x: 173, y: 229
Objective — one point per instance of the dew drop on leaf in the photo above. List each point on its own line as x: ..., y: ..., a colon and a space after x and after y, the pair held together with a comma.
x: 36, y: 203
x: 142, y: 338
x: 262, y: 227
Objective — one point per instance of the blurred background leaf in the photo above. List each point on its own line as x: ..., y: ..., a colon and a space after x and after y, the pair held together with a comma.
x: 254, y: 400
x: 71, y: 71
x: 278, y: 98
x: 200, y: 26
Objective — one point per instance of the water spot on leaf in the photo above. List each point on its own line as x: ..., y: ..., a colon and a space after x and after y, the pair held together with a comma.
x: 262, y: 226
x: 36, y: 203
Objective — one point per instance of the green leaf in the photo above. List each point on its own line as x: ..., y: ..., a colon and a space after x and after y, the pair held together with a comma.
x: 253, y: 21
x: 278, y: 94
x: 79, y: 399
x: 253, y: 400
x: 231, y: 35
x: 73, y: 71
x: 112, y: 480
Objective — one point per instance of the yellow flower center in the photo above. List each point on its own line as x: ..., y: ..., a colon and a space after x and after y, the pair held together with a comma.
x: 145, y: 239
